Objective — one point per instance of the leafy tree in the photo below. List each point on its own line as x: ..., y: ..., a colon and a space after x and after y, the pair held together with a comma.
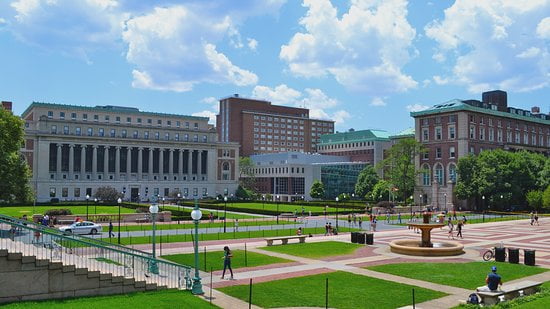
x: 381, y: 191
x: 343, y: 197
x: 546, y: 198
x: 108, y: 194
x: 544, y: 176
x: 14, y: 172
x: 534, y: 198
x: 243, y: 193
x: 247, y: 177
x: 466, y: 170
x: 366, y: 181
x: 399, y: 167
x: 317, y: 189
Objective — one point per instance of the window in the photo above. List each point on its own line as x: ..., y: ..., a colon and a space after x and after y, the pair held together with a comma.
x: 439, y: 174
x: 499, y: 135
x: 101, y: 132
x: 426, y: 155
x: 452, y: 173
x: 90, y: 131
x: 117, y: 119
x: 166, y: 136
x: 425, y: 135
x: 64, y: 192
x: 52, y: 192
x: 425, y: 175
x: 146, y: 135
x: 128, y: 119
x: 177, y: 137
x: 96, y: 117
x: 77, y: 131
x: 472, y: 131
x: 438, y: 153
x: 169, y: 123
x: 187, y: 124
x: 76, y: 192
x: 54, y: 129
x: 159, y: 122
x: 196, y: 126
x: 157, y: 135
x: 204, y: 139
x: 452, y: 118
x: 135, y: 134
x: 124, y: 133
x: 452, y: 132
x: 482, y: 134
x: 73, y: 116
x: 112, y: 133
x: 186, y: 137
x: 50, y: 116
x: 139, y: 120
x: 451, y: 152
x: 149, y: 121
x: 62, y: 115
x: 491, y: 134
x: 84, y: 117
x: 195, y: 138
x: 438, y: 133
x: 178, y: 123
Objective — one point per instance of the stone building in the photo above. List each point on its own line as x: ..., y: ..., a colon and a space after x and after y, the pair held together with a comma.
x: 73, y: 150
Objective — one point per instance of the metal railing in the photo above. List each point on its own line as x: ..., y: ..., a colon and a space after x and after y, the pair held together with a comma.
x: 44, y: 243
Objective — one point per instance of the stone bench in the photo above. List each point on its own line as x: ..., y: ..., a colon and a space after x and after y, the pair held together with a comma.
x: 285, y: 239
x: 142, y: 220
x: 509, y: 292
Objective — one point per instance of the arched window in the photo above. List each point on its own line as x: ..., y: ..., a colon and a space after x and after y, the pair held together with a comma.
x: 439, y: 174
x: 452, y: 172
x: 426, y: 175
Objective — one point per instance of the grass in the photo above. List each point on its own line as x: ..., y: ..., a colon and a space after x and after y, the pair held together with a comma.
x: 215, y: 212
x: 287, y: 208
x: 162, y: 299
x: 535, y: 301
x: 346, y: 290
x: 316, y: 249
x: 463, y: 275
x: 214, y: 259
x: 203, y: 224
x: 76, y: 210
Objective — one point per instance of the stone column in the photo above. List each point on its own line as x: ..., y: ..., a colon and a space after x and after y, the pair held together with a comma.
x: 58, y: 163
x: 94, y: 162
x: 180, y: 164
x: 161, y: 163
x: 117, y: 163
x: 82, y: 161
x: 140, y: 163
x: 199, y: 160
x: 150, y: 167
x: 435, y: 202
x: 190, y: 162
x: 128, y: 162
x: 171, y: 163
x: 106, y: 163
x: 71, y: 161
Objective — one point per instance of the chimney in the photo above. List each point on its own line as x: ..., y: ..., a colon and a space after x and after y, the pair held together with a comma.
x: 236, y: 95
x: 535, y: 110
x: 496, y: 97
x: 7, y: 105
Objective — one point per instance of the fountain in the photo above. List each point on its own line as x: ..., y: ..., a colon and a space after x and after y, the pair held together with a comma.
x: 425, y: 247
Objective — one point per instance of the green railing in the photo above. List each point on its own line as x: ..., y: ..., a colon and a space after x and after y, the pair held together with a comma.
x: 24, y: 237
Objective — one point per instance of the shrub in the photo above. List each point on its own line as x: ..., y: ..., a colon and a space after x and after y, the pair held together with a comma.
x: 385, y: 204
x: 59, y: 212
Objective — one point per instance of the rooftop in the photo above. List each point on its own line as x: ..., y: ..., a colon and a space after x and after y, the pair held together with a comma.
x: 295, y: 158
x: 354, y: 136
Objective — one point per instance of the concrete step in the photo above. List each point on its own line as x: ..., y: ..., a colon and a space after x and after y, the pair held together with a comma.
x: 93, y: 274
x: 162, y: 287
x: 117, y: 279
x: 15, y: 256
x: 42, y: 262
x: 68, y: 268
x: 3, y: 252
x: 129, y: 281
x: 55, y: 265
x: 28, y: 259
x: 105, y: 276
x: 81, y: 271
x: 150, y: 286
x: 140, y: 284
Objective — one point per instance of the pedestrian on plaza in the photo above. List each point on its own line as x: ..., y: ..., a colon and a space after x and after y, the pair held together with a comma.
x: 236, y: 225
x: 326, y: 229
x: 459, y: 226
x: 299, y: 231
x: 330, y: 231
x: 532, y: 216
x: 227, y: 255
x: 111, y: 234
x: 361, y: 223
x: 399, y: 217
x: 536, y: 218
x: 449, y: 222
x: 454, y: 214
x: 349, y: 220
x: 373, y: 224
x: 37, y: 235
x: 451, y: 228
x: 388, y: 216
x: 354, y: 219
x: 464, y: 219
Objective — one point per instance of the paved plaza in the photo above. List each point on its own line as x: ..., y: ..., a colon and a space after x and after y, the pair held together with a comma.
x: 477, y: 239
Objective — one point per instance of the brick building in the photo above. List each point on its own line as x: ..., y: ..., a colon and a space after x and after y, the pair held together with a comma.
x: 457, y: 128
x: 7, y: 105
x: 260, y: 127
x: 365, y: 145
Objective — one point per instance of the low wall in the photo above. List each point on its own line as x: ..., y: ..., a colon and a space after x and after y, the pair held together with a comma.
x: 163, y: 216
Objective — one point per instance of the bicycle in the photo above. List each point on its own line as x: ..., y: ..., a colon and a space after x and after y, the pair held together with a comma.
x: 490, y: 254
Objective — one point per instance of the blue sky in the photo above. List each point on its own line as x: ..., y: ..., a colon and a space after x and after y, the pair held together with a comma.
x: 363, y: 63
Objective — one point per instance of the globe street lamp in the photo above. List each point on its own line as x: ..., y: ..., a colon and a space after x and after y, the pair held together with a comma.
x: 139, y: 198
x: 224, y: 212
x: 278, y: 197
x: 263, y: 201
x: 196, y: 215
x: 119, y: 201
x: 178, y: 199
x: 412, y: 202
x: 153, y: 267
x: 483, y: 211
x: 87, y: 200
x: 337, y: 213
x: 95, y: 207
x: 163, y: 199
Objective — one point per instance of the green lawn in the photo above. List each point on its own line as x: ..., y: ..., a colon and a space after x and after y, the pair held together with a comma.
x: 220, y: 236
x: 203, y: 224
x: 315, y: 249
x: 346, y: 290
x: 214, y: 259
x: 287, y: 208
x: 163, y: 299
x: 463, y: 275
x: 76, y: 210
x: 216, y: 213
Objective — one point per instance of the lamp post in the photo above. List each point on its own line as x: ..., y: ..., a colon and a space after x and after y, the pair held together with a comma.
x: 87, y: 200
x: 336, y: 213
x: 420, y: 201
x: 163, y: 199
x: 139, y: 198
x: 95, y: 207
x: 445, y: 195
x: 224, y: 212
x: 501, y: 200
x: 178, y: 200
x: 278, y: 197
x: 119, y: 201
x: 196, y: 215
x: 153, y: 267
x: 263, y: 202
x: 483, y: 206
x: 412, y: 202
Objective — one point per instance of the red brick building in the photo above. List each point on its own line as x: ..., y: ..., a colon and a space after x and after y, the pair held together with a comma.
x: 260, y: 127
x: 457, y: 128
x: 7, y: 105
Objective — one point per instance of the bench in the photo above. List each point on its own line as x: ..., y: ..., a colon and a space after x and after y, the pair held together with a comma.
x: 510, y: 291
x: 142, y: 220
x: 287, y: 215
x: 285, y: 239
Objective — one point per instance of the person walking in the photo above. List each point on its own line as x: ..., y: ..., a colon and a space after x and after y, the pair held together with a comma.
x: 326, y: 229
x: 354, y: 219
x: 227, y: 255
x: 236, y: 225
x: 361, y: 223
x: 451, y: 228
x: 373, y: 224
x: 111, y: 234
x: 459, y: 229
x: 536, y: 217
x: 349, y: 220
x: 532, y: 215
x: 399, y: 217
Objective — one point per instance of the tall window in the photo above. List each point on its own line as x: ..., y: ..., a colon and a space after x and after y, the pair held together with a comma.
x: 425, y: 175
x: 472, y: 132
x: 438, y: 133
x: 452, y: 132
x: 439, y: 174
x: 425, y: 135
x: 452, y: 173
x: 451, y: 152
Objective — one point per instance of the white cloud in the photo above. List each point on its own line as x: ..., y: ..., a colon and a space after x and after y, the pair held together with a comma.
x: 210, y: 101
x: 211, y: 116
x: 364, y: 50
x: 377, y: 101
x: 340, y: 117
x: 252, y: 44
x: 313, y: 99
x: 440, y: 80
x: 416, y: 107
x: 2, y: 21
x: 489, y: 44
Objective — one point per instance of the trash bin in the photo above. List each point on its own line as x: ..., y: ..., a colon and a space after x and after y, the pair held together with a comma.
x: 513, y: 255
x: 369, y: 238
x: 500, y: 254
x: 529, y: 257
x: 354, y: 237
x: 361, y: 238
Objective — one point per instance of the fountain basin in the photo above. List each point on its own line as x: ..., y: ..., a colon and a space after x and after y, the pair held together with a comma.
x: 414, y: 247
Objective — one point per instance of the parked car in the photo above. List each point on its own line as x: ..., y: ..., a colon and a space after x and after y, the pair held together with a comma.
x: 82, y: 227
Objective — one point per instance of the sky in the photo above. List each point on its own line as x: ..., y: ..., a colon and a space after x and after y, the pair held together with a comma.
x: 365, y: 64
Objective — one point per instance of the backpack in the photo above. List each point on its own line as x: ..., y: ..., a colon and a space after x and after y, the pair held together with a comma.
x: 473, y: 299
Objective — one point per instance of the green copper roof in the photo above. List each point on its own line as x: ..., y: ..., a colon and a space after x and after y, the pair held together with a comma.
x: 405, y: 133
x: 354, y: 136
x: 458, y: 105
x: 108, y: 108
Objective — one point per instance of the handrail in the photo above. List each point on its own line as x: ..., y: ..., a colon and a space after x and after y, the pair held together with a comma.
x: 44, y: 242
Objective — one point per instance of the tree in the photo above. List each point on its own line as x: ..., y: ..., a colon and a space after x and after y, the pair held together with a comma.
x: 247, y: 177
x: 14, y: 171
x: 381, y: 191
x: 366, y: 181
x: 534, y: 198
x: 243, y: 193
x: 317, y: 189
x: 399, y: 167
x: 546, y: 198
x: 108, y: 194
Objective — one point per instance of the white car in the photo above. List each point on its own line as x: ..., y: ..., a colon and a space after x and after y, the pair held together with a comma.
x: 82, y: 227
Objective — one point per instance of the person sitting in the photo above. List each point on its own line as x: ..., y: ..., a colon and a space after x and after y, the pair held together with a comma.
x: 299, y: 231
x: 493, y: 281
